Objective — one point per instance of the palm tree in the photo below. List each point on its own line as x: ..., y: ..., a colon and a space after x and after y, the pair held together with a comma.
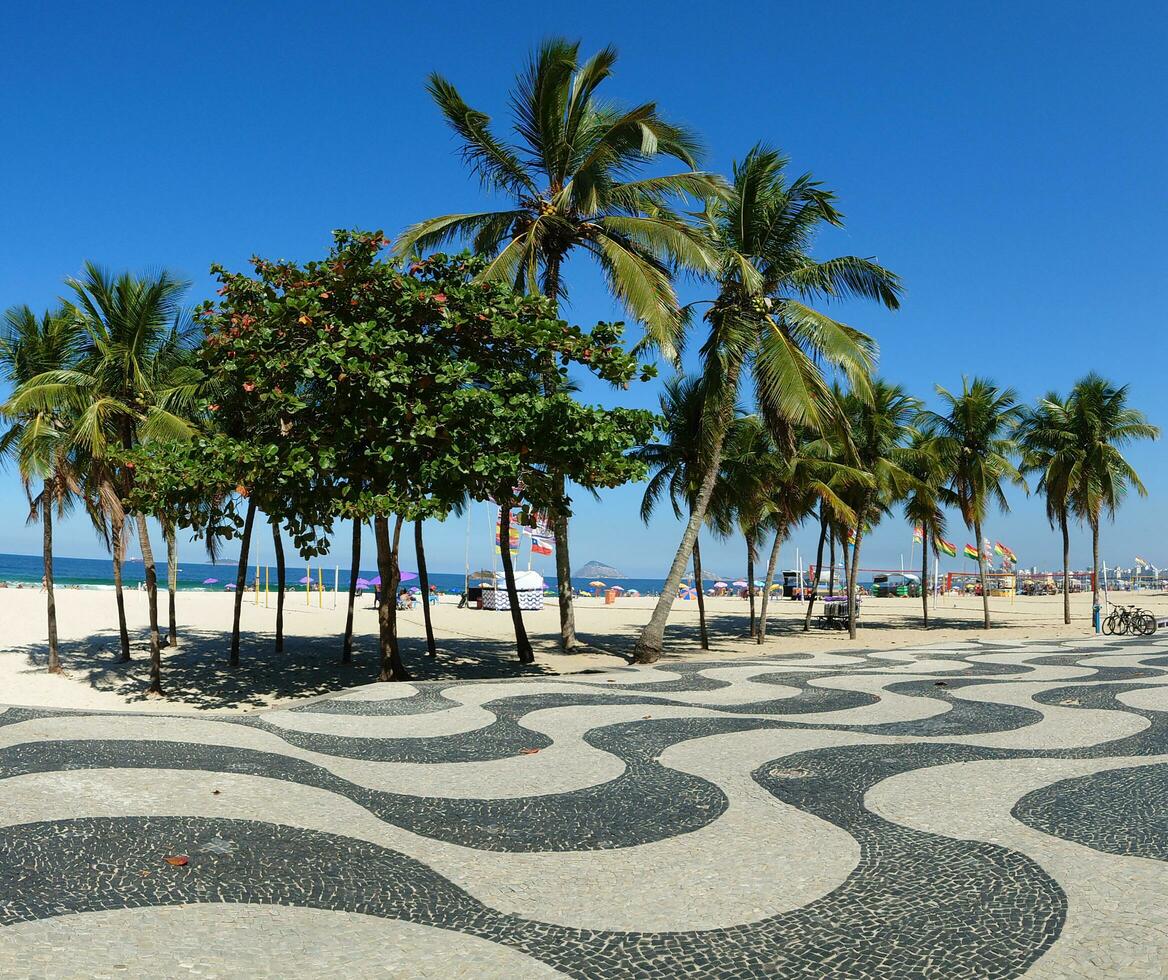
x: 574, y: 182
x: 133, y: 381
x: 1050, y: 448
x: 975, y: 441
x: 678, y: 462
x: 924, y: 503
x: 1103, y: 424
x: 39, y: 439
x: 763, y: 231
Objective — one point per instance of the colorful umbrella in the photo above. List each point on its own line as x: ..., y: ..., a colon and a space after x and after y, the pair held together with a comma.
x: 720, y: 585
x: 229, y: 585
x: 617, y: 588
x: 210, y: 581
x: 305, y: 580
x: 758, y: 584
x: 740, y: 583
x: 597, y: 584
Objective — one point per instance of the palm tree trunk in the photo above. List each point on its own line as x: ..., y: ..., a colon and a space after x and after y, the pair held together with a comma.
x: 770, y: 577
x: 278, y: 544
x: 241, y: 578
x: 155, y: 686
x: 118, y: 551
x: 750, y: 585
x: 925, y: 575
x: 845, y: 547
x: 47, y: 500
x: 697, y: 560
x: 831, y: 560
x: 354, y: 573
x: 981, y: 573
x: 1094, y: 562
x: 522, y: 643
x: 649, y: 643
x: 392, y: 668
x: 171, y: 582
x: 818, y: 568
x: 854, y: 574
x: 1066, y: 567
x: 424, y: 582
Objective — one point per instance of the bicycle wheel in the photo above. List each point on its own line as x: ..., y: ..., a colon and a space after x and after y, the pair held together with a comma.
x: 1147, y: 623
x: 1108, y: 625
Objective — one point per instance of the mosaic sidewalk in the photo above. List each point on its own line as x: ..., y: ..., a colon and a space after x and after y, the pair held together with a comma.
x: 975, y: 810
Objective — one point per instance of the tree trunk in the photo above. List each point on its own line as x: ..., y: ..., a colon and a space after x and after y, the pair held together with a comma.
x: 424, y: 582
x: 522, y: 643
x: 155, y: 686
x: 925, y: 575
x: 118, y: 549
x: 1094, y: 562
x: 831, y: 561
x: 559, y: 522
x: 846, y: 549
x: 770, y: 577
x: 392, y: 668
x: 1066, y: 567
x: 697, y: 560
x: 48, y: 496
x: 818, y: 568
x: 241, y: 578
x: 649, y: 643
x: 854, y: 575
x: 171, y: 582
x: 750, y: 585
x: 281, y: 573
x: 981, y: 573
x: 354, y: 573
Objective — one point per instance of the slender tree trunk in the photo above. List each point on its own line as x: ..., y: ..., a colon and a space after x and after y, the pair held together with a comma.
x: 241, y: 578
x: 522, y: 643
x: 831, y: 560
x: 925, y: 575
x: 854, y: 575
x: 1066, y: 567
x: 846, y: 549
x: 155, y: 686
x: 1095, y: 561
x: 171, y: 582
x: 818, y: 568
x: 750, y: 586
x: 48, y: 497
x: 281, y: 572
x: 559, y: 522
x: 649, y: 644
x: 697, y: 559
x: 354, y: 572
x: 424, y: 581
x: 981, y: 573
x: 118, y: 549
x: 770, y: 577
x: 392, y: 668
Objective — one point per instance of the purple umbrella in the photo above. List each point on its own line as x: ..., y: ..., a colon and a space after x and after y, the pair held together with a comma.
x: 405, y: 577
x: 210, y: 581
x: 305, y: 580
x: 363, y: 583
x: 229, y: 585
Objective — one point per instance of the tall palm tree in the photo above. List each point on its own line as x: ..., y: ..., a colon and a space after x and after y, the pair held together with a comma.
x: 924, y: 505
x: 38, y: 440
x: 763, y: 231
x: 677, y: 463
x: 133, y: 381
x: 1103, y: 424
x: 1050, y: 448
x: 976, y: 442
x: 573, y: 176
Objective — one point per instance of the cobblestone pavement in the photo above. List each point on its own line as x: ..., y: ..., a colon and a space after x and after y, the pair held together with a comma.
x: 974, y: 810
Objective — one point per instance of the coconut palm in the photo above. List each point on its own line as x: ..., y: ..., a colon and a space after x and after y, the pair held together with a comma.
x: 976, y: 442
x: 133, y: 381
x: 574, y: 182
x: 760, y: 321
x: 1103, y: 424
x: 924, y: 505
x: 1050, y: 449
x: 38, y: 440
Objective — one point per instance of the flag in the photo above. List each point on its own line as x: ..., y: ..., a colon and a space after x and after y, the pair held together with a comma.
x: 513, y: 539
x: 541, y: 544
x: 1006, y: 553
x: 987, y: 549
x: 918, y: 534
x: 971, y: 552
x: 998, y: 548
x: 948, y: 547
x: 851, y: 535
x: 1142, y: 562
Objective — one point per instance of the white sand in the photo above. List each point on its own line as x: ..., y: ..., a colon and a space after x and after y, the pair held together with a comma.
x: 472, y: 643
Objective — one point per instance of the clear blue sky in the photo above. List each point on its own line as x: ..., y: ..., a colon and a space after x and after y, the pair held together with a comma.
x: 1007, y: 160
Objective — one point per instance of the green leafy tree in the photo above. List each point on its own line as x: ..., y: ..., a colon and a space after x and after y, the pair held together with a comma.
x: 924, y: 504
x: 574, y: 178
x: 976, y: 442
x: 760, y: 321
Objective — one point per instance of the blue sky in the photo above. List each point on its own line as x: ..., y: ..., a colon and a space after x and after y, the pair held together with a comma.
x: 1006, y: 160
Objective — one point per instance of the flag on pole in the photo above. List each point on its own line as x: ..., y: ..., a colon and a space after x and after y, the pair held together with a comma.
x: 1142, y: 562
x: 851, y: 535
x: 513, y: 542
x: 918, y: 534
x: 1005, y: 552
x: 971, y: 552
x: 541, y: 544
x: 987, y: 549
x: 948, y: 547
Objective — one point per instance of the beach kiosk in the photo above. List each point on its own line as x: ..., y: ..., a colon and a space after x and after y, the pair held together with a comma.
x: 528, y: 584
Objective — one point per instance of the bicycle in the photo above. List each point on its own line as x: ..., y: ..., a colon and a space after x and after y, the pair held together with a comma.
x: 1129, y: 619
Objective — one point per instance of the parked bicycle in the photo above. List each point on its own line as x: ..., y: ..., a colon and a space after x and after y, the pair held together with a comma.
x: 1129, y: 619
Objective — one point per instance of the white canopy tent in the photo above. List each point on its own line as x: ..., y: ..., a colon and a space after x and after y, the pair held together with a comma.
x: 528, y: 584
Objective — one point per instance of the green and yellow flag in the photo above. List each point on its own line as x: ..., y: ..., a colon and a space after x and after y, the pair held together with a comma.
x: 971, y: 552
x: 948, y: 547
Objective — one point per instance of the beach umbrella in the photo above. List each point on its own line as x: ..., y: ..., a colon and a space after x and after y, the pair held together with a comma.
x: 210, y: 581
x: 597, y: 585
x: 483, y: 573
x: 740, y: 583
x: 721, y: 585
x: 376, y: 580
x: 617, y: 588
x: 305, y: 580
x: 363, y: 583
x: 408, y: 576
x: 632, y: 592
x: 776, y: 585
x: 758, y: 584
x: 229, y: 585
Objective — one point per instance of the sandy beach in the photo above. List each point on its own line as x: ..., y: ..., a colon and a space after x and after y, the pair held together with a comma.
x: 472, y: 643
